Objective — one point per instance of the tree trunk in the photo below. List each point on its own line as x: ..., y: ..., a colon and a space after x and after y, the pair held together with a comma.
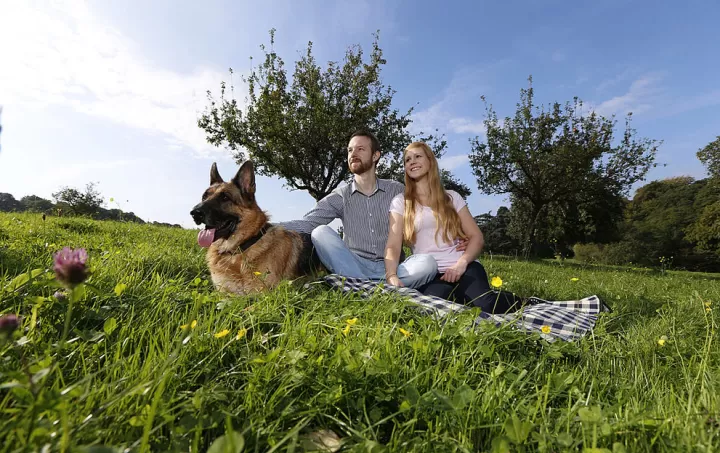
x: 530, y: 235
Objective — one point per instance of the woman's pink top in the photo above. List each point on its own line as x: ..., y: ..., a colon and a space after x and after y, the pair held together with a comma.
x: 427, y: 238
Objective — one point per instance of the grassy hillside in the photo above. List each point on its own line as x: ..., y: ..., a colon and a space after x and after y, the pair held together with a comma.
x: 277, y: 368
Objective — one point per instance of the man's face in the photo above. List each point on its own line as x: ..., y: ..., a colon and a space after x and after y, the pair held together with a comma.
x: 360, y: 155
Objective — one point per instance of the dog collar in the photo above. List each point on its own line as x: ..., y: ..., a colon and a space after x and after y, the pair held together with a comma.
x: 251, y: 241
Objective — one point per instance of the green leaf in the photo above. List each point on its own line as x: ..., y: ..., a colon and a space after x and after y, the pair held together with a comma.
x: 110, y: 325
x: 463, y: 396
x: 518, y: 431
x: 119, y: 289
x: 606, y: 429
x: 273, y: 355
x: 233, y: 443
x: 561, y: 380
x: 442, y: 401
x: 295, y: 356
x: 500, y: 444
x: 405, y: 406
x: 78, y: 293
x: 412, y: 394
x: 618, y: 448
x: 592, y: 414
x: 18, y: 281
x: 565, y: 440
x: 137, y: 421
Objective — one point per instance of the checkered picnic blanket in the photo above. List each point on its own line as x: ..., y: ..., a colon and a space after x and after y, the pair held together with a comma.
x: 566, y: 320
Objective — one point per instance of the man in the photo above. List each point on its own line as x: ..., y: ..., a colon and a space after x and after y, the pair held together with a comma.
x: 363, y: 207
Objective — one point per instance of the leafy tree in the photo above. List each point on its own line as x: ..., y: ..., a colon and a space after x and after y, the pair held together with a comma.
x: 592, y: 215
x: 450, y: 182
x: 706, y: 230
x: 8, y: 203
x: 552, y: 161
x: 299, y: 129
x: 495, y: 229
x: 79, y: 203
x: 710, y: 157
x: 658, y: 217
x: 33, y: 203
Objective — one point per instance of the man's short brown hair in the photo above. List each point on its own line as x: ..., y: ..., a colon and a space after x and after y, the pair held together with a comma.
x: 374, y: 142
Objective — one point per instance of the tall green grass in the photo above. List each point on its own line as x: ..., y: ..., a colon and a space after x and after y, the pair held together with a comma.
x: 131, y: 378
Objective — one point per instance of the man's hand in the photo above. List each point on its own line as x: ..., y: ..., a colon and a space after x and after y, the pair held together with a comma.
x: 454, y: 273
x: 394, y: 280
x: 461, y: 245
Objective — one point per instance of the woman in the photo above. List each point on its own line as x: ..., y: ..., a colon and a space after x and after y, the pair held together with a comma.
x: 432, y: 220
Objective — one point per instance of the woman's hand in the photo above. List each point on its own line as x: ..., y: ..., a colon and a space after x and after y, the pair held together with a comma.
x: 395, y: 281
x: 453, y: 274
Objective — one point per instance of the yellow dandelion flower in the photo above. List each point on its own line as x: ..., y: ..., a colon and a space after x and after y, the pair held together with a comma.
x: 708, y: 304
x: 346, y: 330
x: 662, y: 340
x: 351, y: 322
x: 222, y: 333
x: 257, y: 273
x: 545, y: 329
x: 574, y: 279
x: 191, y: 325
x: 496, y: 282
x: 708, y: 310
x: 241, y: 333
x: 404, y: 332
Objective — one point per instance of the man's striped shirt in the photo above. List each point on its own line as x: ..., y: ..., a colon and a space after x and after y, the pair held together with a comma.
x: 365, y: 218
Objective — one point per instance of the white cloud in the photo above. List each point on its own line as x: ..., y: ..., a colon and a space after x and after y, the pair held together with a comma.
x: 62, y: 54
x: 624, y: 75
x: 465, y: 88
x: 452, y: 162
x: 466, y: 126
x: 641, y: 97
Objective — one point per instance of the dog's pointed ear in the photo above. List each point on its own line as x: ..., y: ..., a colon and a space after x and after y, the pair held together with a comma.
x: 215, y: 175
x: 245, y: 178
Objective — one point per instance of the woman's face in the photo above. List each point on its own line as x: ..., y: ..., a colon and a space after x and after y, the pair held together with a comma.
x: 417, y: 164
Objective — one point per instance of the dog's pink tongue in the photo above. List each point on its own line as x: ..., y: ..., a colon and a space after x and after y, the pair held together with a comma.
x: 206, y: 237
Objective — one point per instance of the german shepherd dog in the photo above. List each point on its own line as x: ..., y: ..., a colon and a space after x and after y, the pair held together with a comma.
x: 246, y: 254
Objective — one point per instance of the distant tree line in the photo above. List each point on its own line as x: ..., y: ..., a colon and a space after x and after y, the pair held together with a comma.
x: 71, y: 202
x: 674, y: 222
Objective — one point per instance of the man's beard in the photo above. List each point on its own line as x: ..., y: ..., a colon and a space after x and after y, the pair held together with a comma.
x: 361, y: 167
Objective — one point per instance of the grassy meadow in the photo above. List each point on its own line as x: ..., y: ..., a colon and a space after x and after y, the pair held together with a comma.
x: 156, y: 360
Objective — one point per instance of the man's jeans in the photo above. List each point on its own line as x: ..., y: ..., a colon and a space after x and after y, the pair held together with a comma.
x: 414, y: 272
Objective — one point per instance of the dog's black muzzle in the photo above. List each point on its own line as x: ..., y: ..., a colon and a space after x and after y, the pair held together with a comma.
x: 198, y: 214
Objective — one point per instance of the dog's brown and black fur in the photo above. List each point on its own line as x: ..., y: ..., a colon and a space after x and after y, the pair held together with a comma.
x: 245, y: 244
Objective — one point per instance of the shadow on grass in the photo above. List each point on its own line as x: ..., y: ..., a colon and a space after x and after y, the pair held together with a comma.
x: 626, y: 316
x: 11, y: 264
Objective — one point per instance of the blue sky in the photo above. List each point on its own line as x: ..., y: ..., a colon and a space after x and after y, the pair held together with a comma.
x: 110, y: 91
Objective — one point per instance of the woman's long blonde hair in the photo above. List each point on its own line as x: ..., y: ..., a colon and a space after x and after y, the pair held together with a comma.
x: 448, y: 220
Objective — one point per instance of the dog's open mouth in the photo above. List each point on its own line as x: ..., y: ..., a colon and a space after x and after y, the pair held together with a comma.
x: 209, y: 235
